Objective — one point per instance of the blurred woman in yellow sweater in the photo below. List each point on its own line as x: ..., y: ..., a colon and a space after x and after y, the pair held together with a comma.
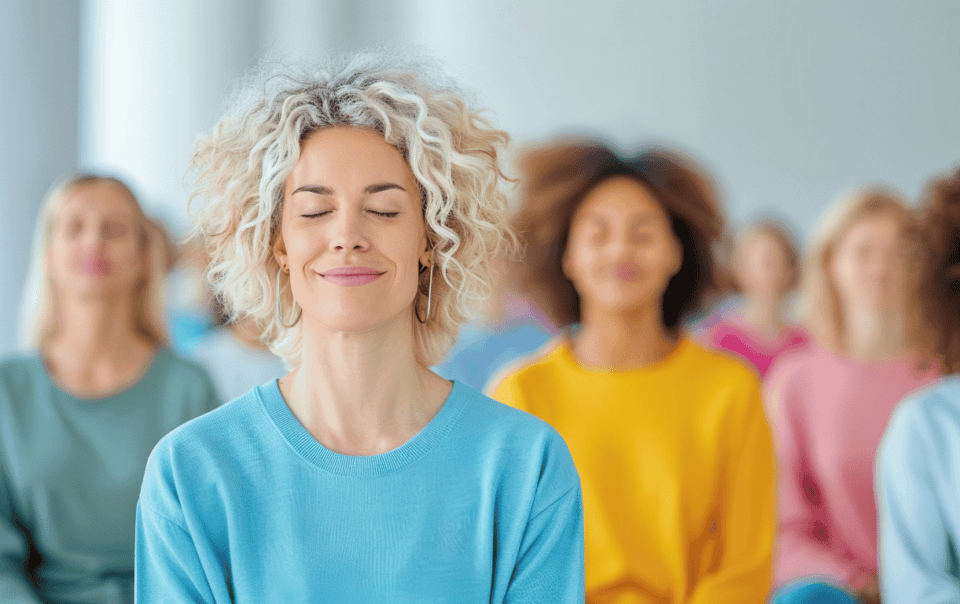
x: 670, y: 439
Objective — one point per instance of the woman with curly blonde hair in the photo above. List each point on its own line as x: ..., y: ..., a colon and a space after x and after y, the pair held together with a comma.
x: 354, y: 210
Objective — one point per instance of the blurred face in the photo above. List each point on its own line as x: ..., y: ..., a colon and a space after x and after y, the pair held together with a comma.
x: 622, y: 251
x: 352, y: 231
x: 869, y: 265
x: 96, y: 248
x: 764, y: 269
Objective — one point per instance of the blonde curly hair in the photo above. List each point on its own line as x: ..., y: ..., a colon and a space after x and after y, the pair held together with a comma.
x: 452, y: 150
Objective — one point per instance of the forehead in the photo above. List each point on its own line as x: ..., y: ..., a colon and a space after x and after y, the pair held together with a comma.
x: 762, y: 239
x: 348, y: 157
x: 621, y: 198
x: 875, y: 227
x: 100, y: 198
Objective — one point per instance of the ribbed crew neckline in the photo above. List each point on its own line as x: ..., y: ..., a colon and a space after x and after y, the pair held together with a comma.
x: 565, y: 353
x: 160, y: 357
x: 360, y: 466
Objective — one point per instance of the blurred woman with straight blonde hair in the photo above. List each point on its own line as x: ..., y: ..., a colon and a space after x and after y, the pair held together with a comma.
x: 80, y: 412
x: 832, y: 401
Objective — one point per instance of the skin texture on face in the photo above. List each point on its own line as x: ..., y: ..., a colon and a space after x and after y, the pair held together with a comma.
x: 352, y: 205
x: 869, y: 266
x: 621, y: 252
x: 763, y: 269
x: 96, y: 247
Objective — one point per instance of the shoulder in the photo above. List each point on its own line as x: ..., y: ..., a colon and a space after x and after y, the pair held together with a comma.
x: 718, y: 365
x: 923, y: 434
x: 183, y: 367
x: 527, y: 369
x: 796, y: 364
x: 221, y: 434
x: 933, y: 410
x: 488, y: 416
x: 20, y: 377
x: 19, y: 368
x: 716, y: 332
x: 515, y: 439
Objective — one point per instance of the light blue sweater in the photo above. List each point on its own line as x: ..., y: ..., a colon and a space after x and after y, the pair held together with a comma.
x: 243, y: 505
x: 918, y: 489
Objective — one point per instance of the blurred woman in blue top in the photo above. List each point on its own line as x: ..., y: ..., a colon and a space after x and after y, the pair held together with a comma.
x: 81, y: 411
x: 918, y: 466
x: 353, y: 210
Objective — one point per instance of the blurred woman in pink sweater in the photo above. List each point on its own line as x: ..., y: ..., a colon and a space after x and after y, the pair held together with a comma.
x: 832, y: 401
x: 766, y: 271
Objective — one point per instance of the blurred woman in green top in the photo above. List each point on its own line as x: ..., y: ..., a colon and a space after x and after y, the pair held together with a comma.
x: 80, y: 413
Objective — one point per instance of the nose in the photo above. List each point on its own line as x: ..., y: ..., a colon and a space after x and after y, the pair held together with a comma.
x: 347, y: 232
x: 92, y: 240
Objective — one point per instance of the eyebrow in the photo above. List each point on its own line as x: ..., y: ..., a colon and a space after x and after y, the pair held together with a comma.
x: 370, y: 189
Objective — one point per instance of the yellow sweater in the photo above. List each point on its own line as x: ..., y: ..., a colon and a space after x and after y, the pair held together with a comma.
x: 677, y: 468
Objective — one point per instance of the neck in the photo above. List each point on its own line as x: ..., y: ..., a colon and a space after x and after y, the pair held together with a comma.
x: 102, y: 328
x: 362, y: 393
x: 873, y: 336
x: 622, y: 340
x: 764, y: 314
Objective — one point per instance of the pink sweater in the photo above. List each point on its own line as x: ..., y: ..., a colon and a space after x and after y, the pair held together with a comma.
x: 830, y: 415
x: 738, y: 338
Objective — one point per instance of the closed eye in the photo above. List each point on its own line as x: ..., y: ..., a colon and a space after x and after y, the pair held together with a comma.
x: 385, y: 214
x: 317, y: 215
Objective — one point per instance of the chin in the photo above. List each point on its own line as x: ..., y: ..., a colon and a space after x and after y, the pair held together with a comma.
x: 353, y: 322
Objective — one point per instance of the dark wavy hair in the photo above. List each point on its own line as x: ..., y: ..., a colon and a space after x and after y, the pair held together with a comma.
x: 939, y: 272
x: 555, y: 180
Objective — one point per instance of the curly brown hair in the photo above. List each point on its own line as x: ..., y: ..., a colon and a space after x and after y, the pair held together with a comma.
x: 939, y: 273
x: 555, y: 180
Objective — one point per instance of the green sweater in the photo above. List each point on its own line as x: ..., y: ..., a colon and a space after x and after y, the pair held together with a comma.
x: 70, y: 475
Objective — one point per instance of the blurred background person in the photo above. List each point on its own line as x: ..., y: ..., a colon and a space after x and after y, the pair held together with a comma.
x: 670, y: 439
x: 188, y: 302
x: 508, y: 327
x: 235, y: 355
x: 832, y: 400
x: 765, y: 271
x: 918, y: 464
x: 80, y: 415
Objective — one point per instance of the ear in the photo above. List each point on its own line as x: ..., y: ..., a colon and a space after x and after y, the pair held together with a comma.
x: 280, y: 250
x: 565, y: 267
x: 677, y: 256
x: 426, y: 250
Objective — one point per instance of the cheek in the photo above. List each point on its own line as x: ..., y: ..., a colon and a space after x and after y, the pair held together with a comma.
x: 581, y: 260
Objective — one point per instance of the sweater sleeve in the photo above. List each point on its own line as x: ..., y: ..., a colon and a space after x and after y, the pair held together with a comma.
x: 173, y: 562
x: 168, y: 568
x: 803, y: 548
x: 747, y: 513
x: 916, y: 547
x: 550, y: 565
x: 15, y: 587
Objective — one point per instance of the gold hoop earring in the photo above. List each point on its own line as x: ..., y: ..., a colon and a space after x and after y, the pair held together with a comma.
x: 277, y: 304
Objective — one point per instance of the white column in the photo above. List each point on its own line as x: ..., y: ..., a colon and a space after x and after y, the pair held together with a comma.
x: 155, y: 77
x: 39, y: 63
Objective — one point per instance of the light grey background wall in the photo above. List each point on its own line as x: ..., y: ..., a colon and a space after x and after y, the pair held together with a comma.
x: 788, y: 103
x: 39, y: 129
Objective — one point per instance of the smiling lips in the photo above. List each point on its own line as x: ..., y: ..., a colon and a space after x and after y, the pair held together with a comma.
x: 351, y: 275
x: 626, y: 272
